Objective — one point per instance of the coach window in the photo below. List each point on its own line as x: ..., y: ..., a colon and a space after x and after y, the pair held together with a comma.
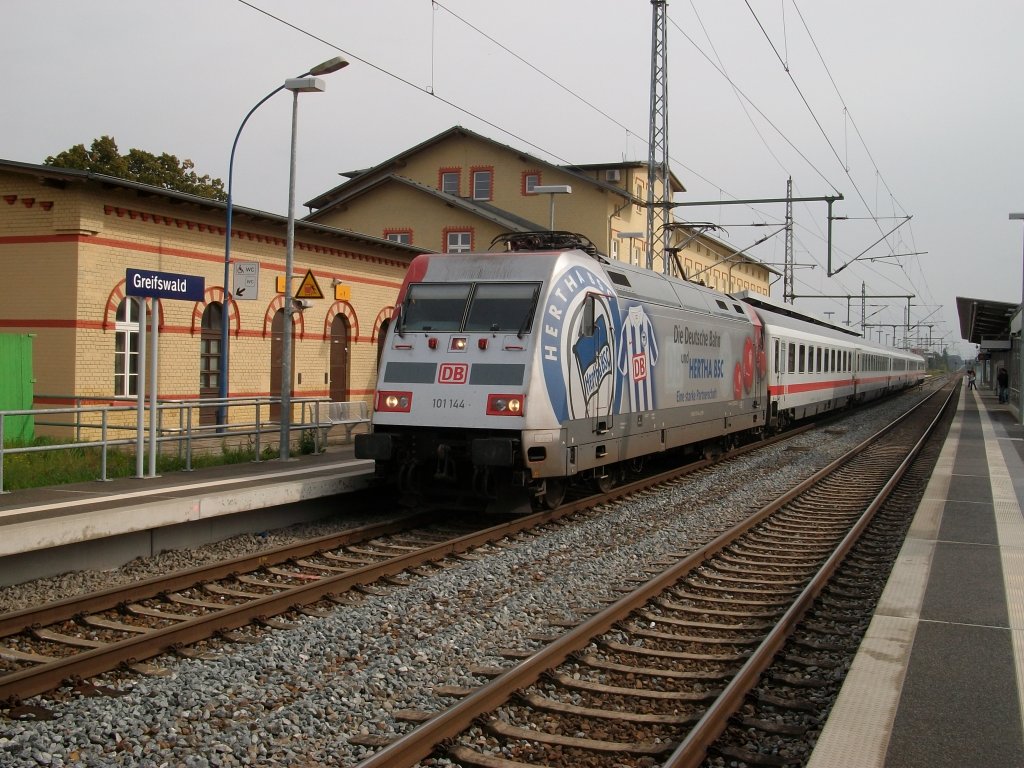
x: 802, y: 358
x: 775, y: 357
x: 792, y: 357
x: 817, y: 363
x: 126, y: 349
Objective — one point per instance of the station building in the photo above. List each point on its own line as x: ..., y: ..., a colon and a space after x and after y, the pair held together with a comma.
x: 457, y: 190
x: 68, y: 237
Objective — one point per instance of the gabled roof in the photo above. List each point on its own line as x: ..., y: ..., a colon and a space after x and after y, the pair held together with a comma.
x: 54, y: 176
x: 360, y: 181
x: 502, y: 218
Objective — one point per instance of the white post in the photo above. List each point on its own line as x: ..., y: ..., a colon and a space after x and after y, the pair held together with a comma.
x: 153, y: 378
x: 140, y: 420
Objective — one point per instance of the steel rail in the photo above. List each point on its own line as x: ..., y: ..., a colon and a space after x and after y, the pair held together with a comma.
x: 64, y: 610
x: 44, y: 677
x: 692, y: 751
x: 419, y: 743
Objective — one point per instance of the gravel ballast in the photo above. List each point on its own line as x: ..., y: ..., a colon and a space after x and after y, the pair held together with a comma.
x: 296, y: 697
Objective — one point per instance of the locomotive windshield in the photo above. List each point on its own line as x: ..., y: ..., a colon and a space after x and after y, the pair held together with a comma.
x: 468, y: 307
x: 502, y: 307
x: 435, y: 306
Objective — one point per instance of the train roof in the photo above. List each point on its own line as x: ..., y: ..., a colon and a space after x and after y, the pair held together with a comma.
x: 766, y: 304
x: 787, y: 316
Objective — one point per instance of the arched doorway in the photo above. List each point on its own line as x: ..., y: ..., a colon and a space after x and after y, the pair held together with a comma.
x: 340, y: 332
x: 381, y: 336
x: 209, y: 359
x: 277, y: 359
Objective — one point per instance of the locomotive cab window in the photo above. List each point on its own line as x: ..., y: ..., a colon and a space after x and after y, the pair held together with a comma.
x: 435, y: 306
x: 588, y: 326
x: 502, y: 307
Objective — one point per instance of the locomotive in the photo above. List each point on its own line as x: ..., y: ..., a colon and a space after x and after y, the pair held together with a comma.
x: 507, y: 375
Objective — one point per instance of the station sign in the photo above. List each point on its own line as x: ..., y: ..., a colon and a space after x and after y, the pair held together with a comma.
x: 164, y: 285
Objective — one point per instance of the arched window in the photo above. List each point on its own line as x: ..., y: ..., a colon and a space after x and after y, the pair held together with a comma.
x: 126, y: 349
x: 209, y: 359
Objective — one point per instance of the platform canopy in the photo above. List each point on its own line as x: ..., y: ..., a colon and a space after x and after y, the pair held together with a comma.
x: 983, y: 319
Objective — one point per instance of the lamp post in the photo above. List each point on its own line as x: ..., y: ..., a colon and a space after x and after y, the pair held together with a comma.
x: 296, y: 85
x: 553, y: 189
x: 324, y: 68
x: 1020, y: 341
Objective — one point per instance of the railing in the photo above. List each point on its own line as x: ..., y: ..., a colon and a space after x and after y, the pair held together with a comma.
x: 249, y: 421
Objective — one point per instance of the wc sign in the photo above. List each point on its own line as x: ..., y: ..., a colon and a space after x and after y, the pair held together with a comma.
x: 453, y: 373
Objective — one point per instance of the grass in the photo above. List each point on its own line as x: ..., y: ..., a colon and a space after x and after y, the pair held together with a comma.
x: 76, y: 465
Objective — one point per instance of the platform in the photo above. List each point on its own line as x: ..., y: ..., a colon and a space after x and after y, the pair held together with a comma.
x: 938, y: 678
x: 45, y: 531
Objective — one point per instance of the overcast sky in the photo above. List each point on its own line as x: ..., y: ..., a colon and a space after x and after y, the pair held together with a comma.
x: 905, y: 107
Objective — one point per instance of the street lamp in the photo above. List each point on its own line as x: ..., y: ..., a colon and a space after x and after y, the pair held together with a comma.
x: 324, y: 68
x: 1020, y: 341
x: 631, y: 236
x: 296, y: 85
x: 553, y: 189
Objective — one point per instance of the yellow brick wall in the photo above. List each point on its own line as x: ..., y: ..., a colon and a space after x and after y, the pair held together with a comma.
x: 64, y: 266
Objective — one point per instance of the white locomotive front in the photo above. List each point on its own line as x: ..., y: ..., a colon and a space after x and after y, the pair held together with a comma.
x: 518, y: 371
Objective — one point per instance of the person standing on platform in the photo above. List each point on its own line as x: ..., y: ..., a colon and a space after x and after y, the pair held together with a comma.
x: 971, y: 383
x: 1003, y: 380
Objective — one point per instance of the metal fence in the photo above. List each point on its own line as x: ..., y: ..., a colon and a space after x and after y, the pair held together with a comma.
x: 249, y: 424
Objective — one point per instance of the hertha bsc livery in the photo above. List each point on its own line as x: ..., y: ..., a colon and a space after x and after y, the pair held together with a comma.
x: 577, y: 352
x: 638, y: 354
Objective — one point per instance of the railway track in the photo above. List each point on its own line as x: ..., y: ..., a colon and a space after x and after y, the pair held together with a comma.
x: 73, y: 640
x: 80, y: 638
x: 655, y: 678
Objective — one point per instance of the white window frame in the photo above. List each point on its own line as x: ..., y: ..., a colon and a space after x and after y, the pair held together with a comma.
x: 458, y: 242
x: 126, y: 348
x: 447, y: 176
x: 478, y: 176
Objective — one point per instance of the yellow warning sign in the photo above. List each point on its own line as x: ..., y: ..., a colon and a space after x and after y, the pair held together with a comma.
x: 308, y: 288
x: 342, y: 292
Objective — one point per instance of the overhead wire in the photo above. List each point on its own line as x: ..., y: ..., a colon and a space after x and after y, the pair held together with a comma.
x: 430, y: 90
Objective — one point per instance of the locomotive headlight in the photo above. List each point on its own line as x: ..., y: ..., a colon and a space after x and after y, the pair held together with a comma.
x: 505, y: 405
x: 399, y: 402
x: 458, y: 344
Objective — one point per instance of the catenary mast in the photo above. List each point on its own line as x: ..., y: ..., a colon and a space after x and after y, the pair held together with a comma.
x: 658, y: 200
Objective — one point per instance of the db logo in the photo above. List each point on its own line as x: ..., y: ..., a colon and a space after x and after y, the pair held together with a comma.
x: 639, y: 367
x: 453, y: 373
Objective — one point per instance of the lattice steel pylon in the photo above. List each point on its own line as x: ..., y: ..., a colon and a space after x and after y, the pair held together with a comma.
x: 787, y: 273
x: 658, y: 200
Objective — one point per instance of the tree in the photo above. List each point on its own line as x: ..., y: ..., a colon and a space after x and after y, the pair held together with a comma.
x: 164, y: 171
